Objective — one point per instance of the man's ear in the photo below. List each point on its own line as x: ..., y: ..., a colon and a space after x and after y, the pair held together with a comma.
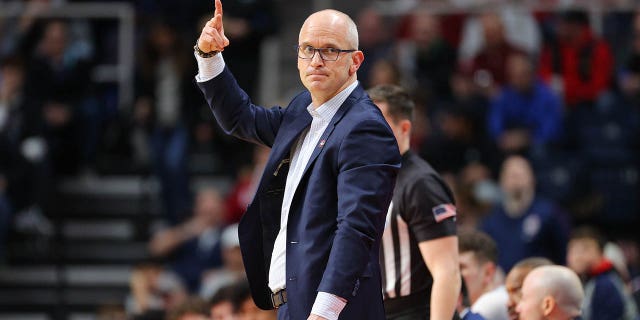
x: 357, y: 58
x: 548, y: 304
x: 489, y: 272
x: 405, y: 126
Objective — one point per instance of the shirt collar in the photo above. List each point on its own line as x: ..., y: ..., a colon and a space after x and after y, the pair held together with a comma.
x: 326, y: 110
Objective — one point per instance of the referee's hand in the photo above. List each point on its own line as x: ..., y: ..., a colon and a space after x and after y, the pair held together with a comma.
x: 212, y: 37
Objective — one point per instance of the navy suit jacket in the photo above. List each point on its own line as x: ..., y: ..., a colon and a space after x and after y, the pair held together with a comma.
x: 337, y: 214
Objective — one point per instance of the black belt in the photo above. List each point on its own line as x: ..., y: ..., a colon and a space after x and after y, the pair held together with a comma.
x: 279, y: 298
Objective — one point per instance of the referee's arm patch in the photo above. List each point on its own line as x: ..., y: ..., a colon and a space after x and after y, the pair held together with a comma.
x: 443, y: 211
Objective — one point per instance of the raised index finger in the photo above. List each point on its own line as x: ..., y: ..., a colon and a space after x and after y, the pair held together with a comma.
x: 218, y: 8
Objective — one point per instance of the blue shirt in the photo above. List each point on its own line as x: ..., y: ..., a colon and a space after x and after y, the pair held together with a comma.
x: 467, y: 314
x: 539, y: 111
x: 541, y: 231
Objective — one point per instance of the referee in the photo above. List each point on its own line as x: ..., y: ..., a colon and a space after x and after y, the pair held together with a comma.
x: 419, y: 252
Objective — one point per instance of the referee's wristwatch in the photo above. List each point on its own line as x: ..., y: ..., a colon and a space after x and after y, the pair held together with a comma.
x: 203, y: 54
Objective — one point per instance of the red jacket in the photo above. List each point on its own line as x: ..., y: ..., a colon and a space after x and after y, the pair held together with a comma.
x: 585, y: 66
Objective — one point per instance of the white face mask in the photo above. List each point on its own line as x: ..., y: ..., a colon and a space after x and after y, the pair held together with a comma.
x: 487, y: 191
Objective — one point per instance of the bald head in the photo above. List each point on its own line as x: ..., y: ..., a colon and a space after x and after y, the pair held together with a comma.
x: 513, y: 282
x: 557, y: 288
x: 532, y: 263
x: 335, y: 21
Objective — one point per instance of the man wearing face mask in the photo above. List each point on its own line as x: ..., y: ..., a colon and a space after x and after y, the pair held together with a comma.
x: 525, y: 224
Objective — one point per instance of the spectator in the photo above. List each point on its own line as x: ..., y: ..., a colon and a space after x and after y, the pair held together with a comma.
x: 10, y: 97
x: 476, y: 193
x: 244, y: 189
x: 629, y: 83
x: 24, y: 167
x: 232, y: 269
x: 164, y: 89
x: 221, y: 304
x: 374, y: 42
x: 384, y: 72
x: 606, y: 296
x: 551, y: 292
x: 427, y: 58
x: 464, y: 306
x: 59, y: 82
x: 613, y: 252
x: 631, y: 251
x: 153, y: 291
x: 457, y: 136
x: 489, y: 63
x: 193, y: 247
x: 520, y: 28
x: 578, y: 65
x: 526, y: 113
x: 515, y: 278
x: 247, y: 23
x: 478, y: 265
x: 192, y: 309
x: 245, y: 308
x: 16, y: 33
x: 525, y: 224
x: 629, y: 76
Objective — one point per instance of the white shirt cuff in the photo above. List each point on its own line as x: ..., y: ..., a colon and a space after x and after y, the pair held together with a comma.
x: 328, y: 305
x: 209, y: 68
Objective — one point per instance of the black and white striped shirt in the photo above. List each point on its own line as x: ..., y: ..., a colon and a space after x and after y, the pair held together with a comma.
x: 422, y: 209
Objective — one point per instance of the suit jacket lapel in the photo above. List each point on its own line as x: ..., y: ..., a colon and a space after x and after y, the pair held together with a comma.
x: 346, y: 105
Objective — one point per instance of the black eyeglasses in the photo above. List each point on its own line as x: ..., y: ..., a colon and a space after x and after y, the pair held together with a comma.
x: 326, y: 54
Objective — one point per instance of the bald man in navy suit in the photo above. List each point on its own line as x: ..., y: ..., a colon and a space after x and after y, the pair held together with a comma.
x: 310, y: 238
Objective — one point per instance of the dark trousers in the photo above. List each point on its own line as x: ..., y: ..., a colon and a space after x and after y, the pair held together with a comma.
x: 413, y: 313
x: 170, y: 155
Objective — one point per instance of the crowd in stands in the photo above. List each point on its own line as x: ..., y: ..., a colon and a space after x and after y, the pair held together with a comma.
x: 532, y: 117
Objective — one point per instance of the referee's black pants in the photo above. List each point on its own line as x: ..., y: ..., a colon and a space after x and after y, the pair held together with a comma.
x: 419, y: 312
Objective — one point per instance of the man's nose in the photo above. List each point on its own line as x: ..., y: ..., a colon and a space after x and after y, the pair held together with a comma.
x: 317, y: 59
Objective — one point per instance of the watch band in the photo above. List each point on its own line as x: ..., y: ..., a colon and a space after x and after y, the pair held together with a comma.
x: 202, y: 53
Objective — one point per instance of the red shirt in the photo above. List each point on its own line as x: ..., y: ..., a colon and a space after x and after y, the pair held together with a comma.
x: 585, y: 66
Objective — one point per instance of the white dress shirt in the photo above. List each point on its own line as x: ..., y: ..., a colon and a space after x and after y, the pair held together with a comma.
x: 326, y: 305
x: 493, y: 304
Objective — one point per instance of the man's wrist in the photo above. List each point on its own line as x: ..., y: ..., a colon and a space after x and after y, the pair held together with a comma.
x: 209, y: 68
x: 203, y: 54
x: 328, y: 305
